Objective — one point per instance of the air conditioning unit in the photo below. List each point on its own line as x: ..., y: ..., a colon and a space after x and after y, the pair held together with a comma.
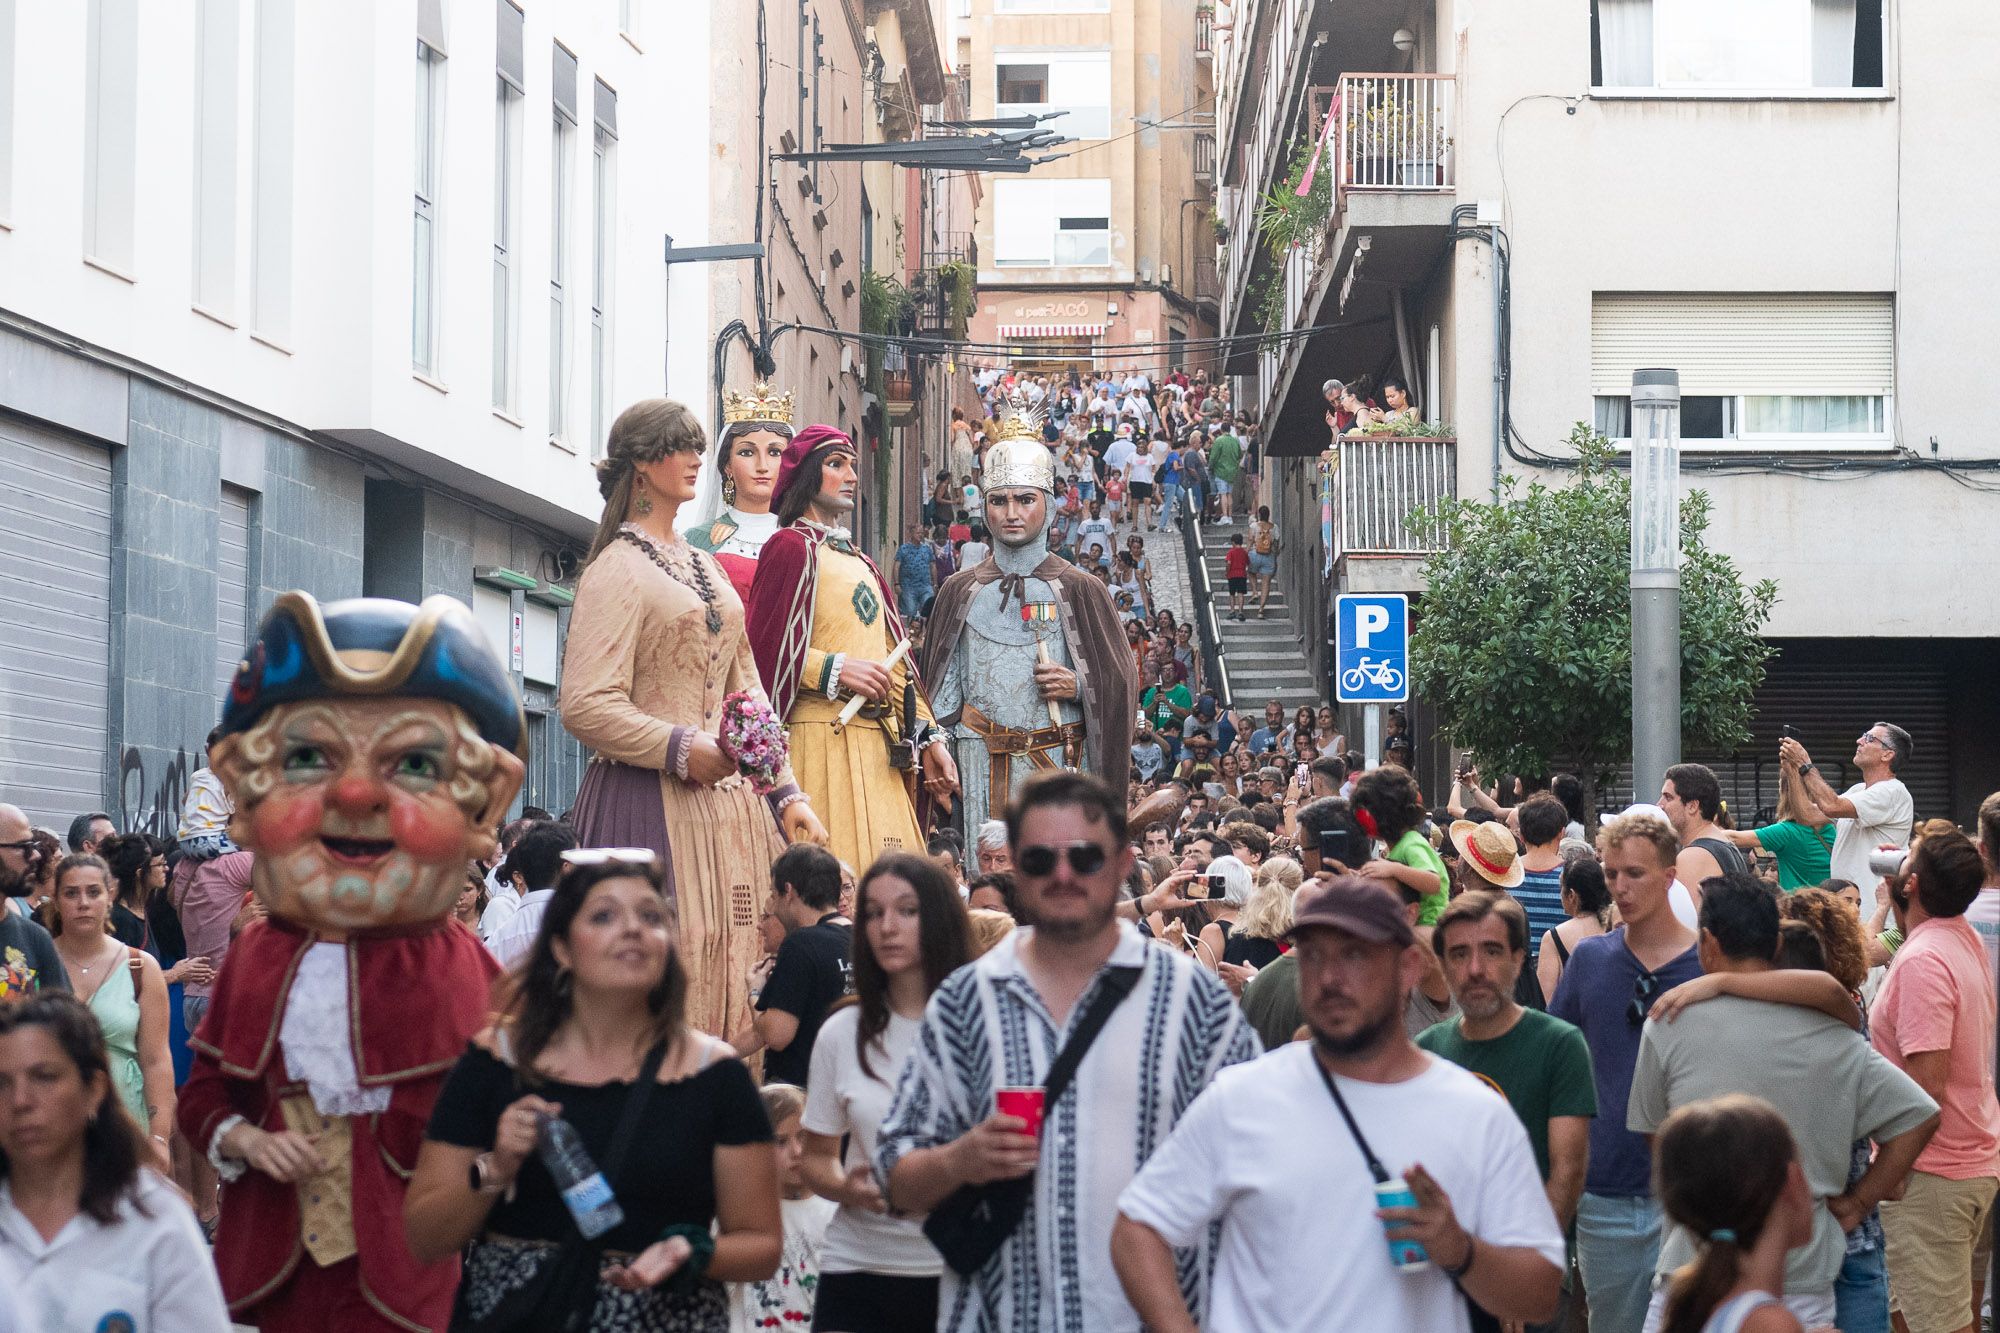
x: 1145, y: 270
x: 1166, y: 275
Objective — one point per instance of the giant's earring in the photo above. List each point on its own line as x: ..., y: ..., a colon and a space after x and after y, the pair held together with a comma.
x: 642, y: 505
x: 564, y: 981
x: 728, y: 490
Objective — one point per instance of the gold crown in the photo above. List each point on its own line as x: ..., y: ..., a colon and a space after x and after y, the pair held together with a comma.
x: 1018, y: 421
x: 762, y: 403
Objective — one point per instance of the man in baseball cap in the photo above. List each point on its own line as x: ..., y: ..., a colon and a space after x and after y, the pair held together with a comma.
x: 1329, y: 1130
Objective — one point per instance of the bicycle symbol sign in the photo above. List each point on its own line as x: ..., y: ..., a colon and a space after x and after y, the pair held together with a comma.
x: 1372, y: 648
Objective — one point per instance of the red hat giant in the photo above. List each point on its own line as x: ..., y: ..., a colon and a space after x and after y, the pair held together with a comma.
x: 811, y: 440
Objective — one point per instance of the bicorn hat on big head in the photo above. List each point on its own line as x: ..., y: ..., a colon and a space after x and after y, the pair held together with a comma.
x: 370, y: 647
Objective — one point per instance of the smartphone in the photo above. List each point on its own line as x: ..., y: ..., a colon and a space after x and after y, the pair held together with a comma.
x: 1218, y: 887
x: 1303, y: 773
x: 1333, y: 845
x: 1788, y: 731
x: 1198, y: 886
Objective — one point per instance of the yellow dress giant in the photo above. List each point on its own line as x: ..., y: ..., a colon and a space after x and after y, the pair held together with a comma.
x: 816, y: 600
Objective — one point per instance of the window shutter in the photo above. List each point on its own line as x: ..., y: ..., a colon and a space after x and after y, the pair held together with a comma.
x: 509, y: 58
x: 565, y: 84
x: 1836, y: 343
x: 430, y: 24
x: 605, y: 108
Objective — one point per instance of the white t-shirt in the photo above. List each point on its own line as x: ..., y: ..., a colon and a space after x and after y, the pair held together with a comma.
x: 1120, y: 455
x: 516, y: 937
x: 785, y: 1299
x: 1093, y: 530
x: 841, y: 1100
x: 1883, y: 813
x: 972, y: 553
x: 501, y: 904
x: 148, y: 1271
x: 1265, y: 1152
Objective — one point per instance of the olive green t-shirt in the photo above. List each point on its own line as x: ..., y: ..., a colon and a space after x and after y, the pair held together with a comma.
x: 1541, y: 1066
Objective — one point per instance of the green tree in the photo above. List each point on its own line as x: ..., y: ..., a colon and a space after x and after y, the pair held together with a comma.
x: 1525, y: 638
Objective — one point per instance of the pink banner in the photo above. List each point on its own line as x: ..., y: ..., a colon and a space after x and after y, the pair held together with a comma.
x: 1306, y: 184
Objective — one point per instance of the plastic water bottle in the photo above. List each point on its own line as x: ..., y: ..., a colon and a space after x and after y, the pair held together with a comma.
x: 582, y: 1185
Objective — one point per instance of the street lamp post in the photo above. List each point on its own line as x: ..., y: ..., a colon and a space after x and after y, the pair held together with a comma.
x: 1656, y: 578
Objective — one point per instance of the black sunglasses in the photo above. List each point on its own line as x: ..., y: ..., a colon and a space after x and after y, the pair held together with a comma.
x: 1085, y: 858
x: 1644, y: 991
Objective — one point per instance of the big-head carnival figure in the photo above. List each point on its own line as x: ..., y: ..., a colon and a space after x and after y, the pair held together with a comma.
x: 371, y: 748
x: 825, y: 629
x: 731, y: 517
x: 1027, y: 660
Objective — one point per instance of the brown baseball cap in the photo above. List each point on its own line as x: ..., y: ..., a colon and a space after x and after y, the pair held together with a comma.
x: 1361, y: 907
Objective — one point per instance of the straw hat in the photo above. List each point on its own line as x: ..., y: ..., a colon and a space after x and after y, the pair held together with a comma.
x: 1488, y: 850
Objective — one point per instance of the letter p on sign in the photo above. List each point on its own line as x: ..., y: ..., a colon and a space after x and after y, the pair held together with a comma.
x: 1368, y: 622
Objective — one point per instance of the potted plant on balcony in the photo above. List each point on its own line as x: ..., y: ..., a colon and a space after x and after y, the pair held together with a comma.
x: 1392, y: 140
x: 958, y: 281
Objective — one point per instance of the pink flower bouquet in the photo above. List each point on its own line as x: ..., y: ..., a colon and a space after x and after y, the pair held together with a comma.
x: 753, y: 737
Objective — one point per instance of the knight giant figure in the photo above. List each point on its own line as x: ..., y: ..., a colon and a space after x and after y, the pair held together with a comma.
x: 1024, y: 652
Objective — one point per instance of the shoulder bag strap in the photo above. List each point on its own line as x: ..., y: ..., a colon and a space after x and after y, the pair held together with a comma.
x: 635, y: 1105
x: 1118, y: 982
x: 1333, y: 1090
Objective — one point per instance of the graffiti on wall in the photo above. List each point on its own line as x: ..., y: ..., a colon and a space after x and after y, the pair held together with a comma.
x: 152, y: 805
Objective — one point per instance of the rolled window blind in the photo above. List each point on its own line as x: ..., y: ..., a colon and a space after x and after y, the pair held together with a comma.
x: 1724, y: 343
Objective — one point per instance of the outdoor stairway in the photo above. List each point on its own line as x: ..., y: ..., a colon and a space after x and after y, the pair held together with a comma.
x: 1264, y: 658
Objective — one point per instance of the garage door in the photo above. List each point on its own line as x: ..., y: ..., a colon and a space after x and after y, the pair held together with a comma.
x: 232, y: 588
x: 55, y: 622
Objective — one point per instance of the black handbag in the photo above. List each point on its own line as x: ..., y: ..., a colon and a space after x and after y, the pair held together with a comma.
x: 974, y: 1221
x: 561, y: 1295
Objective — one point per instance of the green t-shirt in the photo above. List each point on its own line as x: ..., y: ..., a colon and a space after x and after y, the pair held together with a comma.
x: 1225, y: 455
x: 1414, y: 851
x: 1155, y: 703
x: 1541, y: 1066
x: 1805, y: 854
x: 1271, y: 1002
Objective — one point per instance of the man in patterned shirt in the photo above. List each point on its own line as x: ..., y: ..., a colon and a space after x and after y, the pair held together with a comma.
x: 999, y: 1023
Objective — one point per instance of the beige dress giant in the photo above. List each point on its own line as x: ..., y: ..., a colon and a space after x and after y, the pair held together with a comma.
x: 641, y: 669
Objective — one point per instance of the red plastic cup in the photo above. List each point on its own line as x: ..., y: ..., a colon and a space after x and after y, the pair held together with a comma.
x: 1023, y: 1102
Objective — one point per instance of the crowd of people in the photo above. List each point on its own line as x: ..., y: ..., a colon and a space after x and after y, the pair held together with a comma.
x: 1731, y: 1103
x: 958, y: 1001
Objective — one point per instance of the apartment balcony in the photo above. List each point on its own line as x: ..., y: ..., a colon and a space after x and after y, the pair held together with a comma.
x: 1204, y: 33
x: 1394, y: 133
x: 1204, y: 159
x: 1377, y: 481
x: 1207, y: 289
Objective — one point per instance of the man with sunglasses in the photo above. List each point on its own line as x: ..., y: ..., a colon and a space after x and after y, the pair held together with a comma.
x: 1874, y: 812
x: 999, y: 1022
x: 28, y: 961
x: 1607, y: 990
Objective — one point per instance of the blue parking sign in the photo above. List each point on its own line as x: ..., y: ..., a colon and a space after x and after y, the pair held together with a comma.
x: 1371, y: 662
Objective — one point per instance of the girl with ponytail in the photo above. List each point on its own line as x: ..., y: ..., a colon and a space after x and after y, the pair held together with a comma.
x: 1726, y: 1170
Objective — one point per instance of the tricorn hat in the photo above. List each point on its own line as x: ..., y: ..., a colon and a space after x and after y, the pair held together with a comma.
x: 373, y: 646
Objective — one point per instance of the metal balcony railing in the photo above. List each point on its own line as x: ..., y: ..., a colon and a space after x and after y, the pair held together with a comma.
x: 1204, y: 158
x: 1395, y: 131
x: 1204, y: 31
x: 1377, y: 481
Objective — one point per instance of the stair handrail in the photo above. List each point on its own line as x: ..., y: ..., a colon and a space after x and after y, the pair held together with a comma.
x: 1206, y: 627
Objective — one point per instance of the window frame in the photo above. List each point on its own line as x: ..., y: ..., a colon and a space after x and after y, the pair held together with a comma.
x: 604, y: 203
x: 1774, y: 441
x: 425, y: 281
x: 562, y: 147
x: 1071, y: 122
x: 507, y: 117
x: 1657, y: 90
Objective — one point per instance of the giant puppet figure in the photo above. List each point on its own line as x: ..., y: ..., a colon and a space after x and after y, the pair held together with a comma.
x: 731, y: 516
x: 371, y: 746
x: 1026, y: 656
x: 825, y: 629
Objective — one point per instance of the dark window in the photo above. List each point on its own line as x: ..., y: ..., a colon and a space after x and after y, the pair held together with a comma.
x: 1022, y: 84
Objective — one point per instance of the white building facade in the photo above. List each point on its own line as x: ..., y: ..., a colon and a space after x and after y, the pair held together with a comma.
x: 333, y: 297
x: 1771, y: 196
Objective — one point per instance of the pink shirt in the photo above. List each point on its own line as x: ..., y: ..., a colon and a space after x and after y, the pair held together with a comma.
x: 1939, y: 997
x: 209, y: 903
